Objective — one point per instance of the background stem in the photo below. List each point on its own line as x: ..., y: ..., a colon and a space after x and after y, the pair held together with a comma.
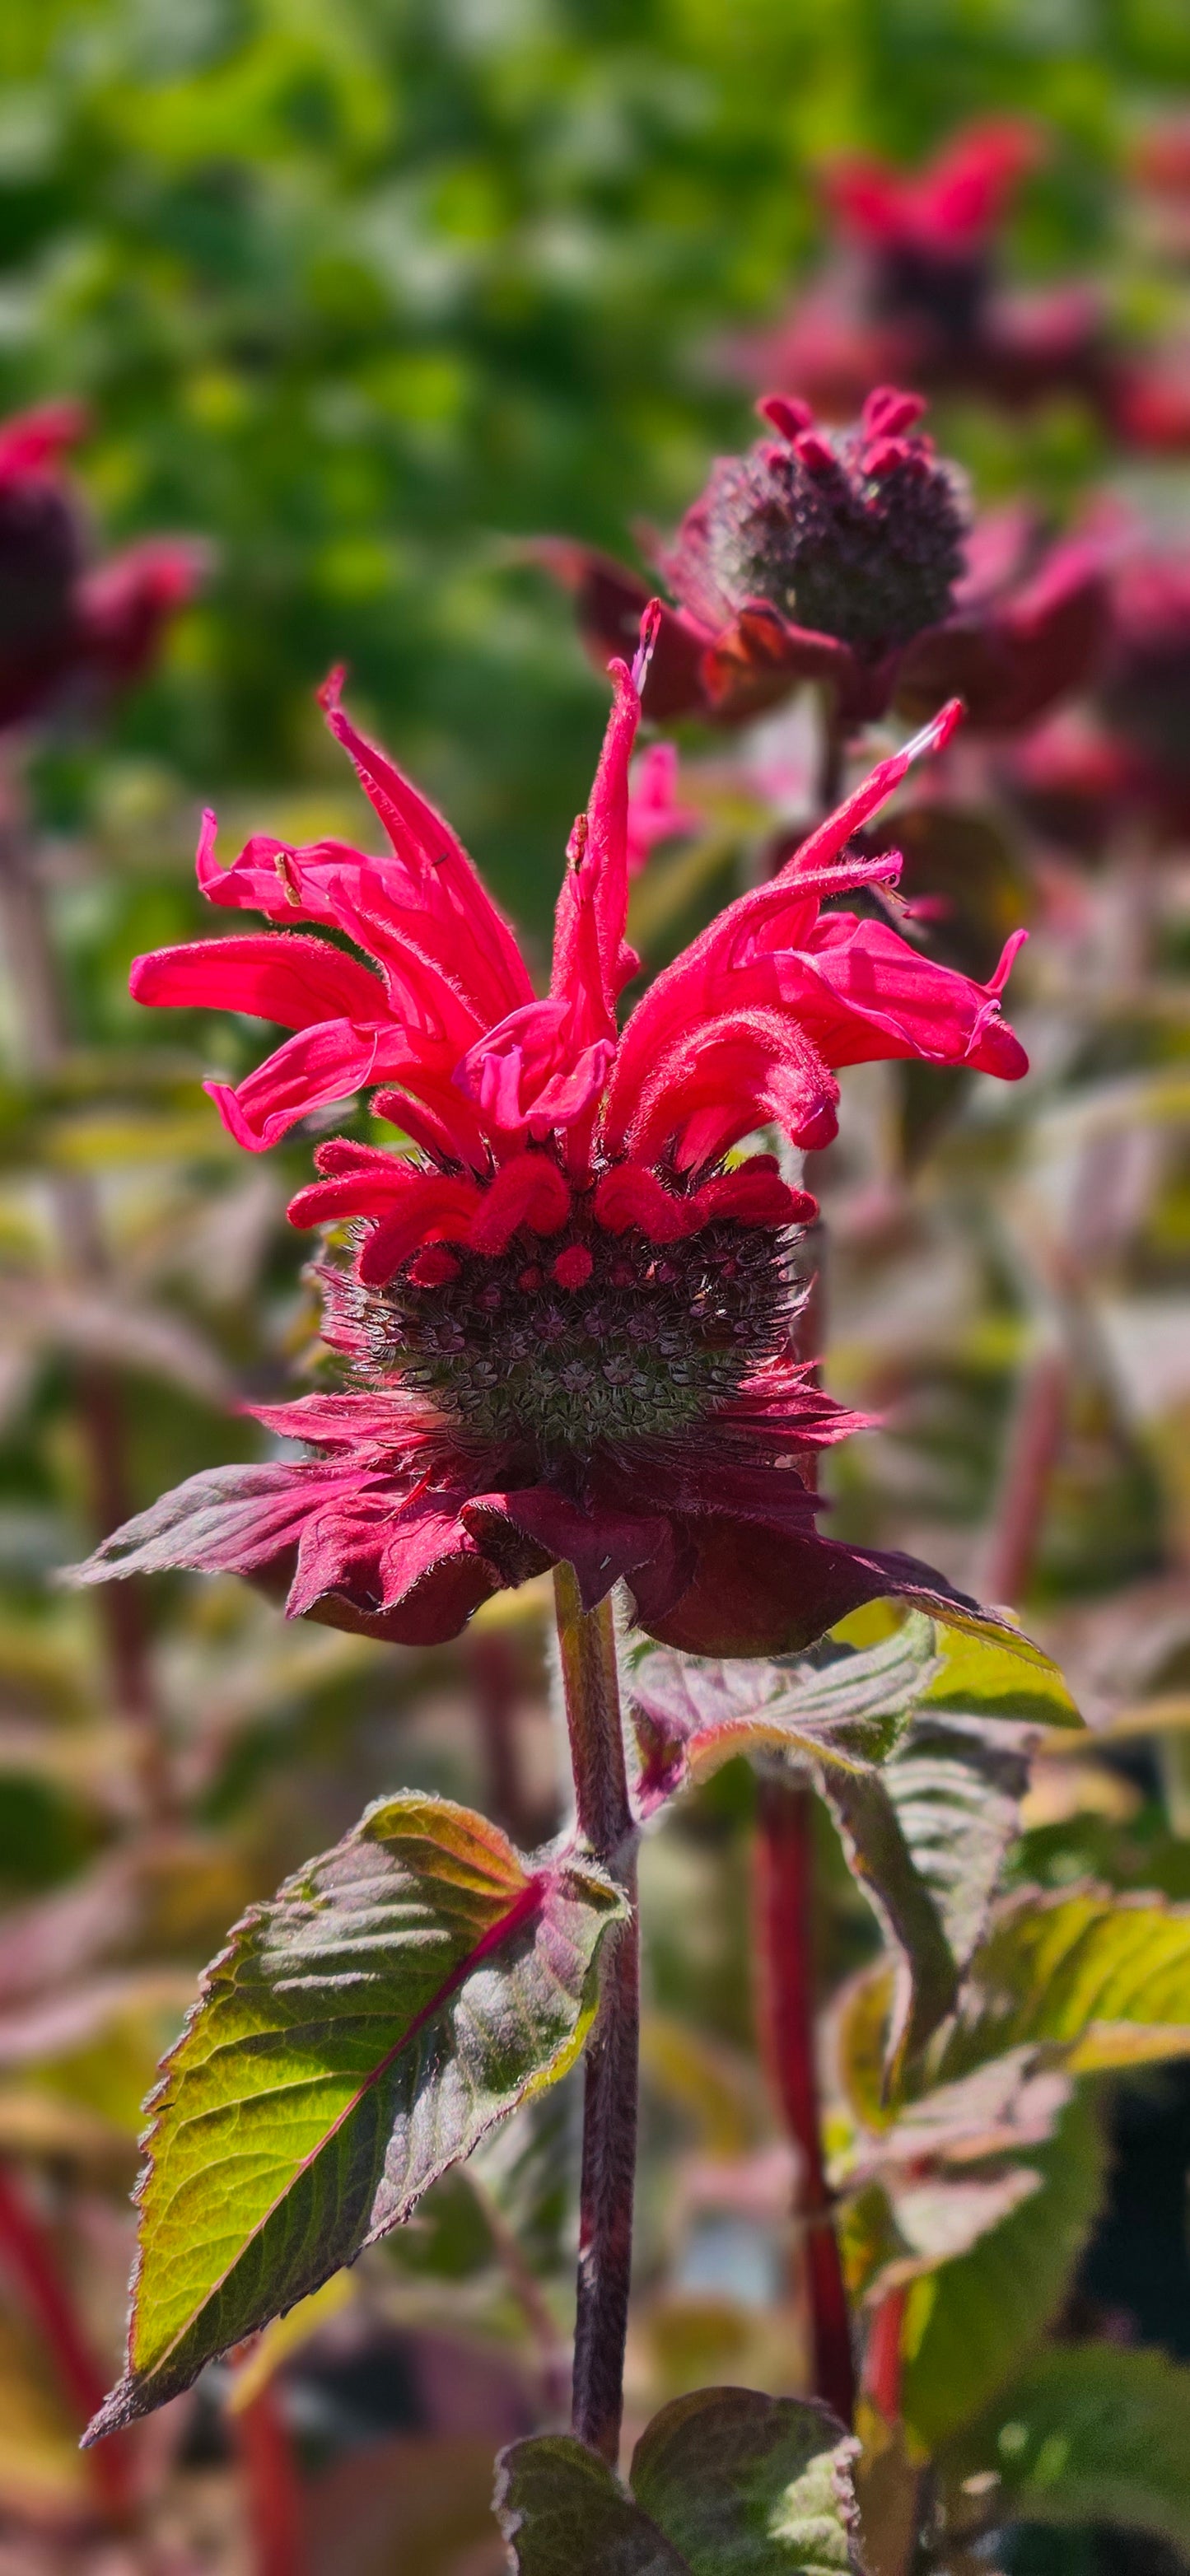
x: 272, y: 2484
x: 29, y: 2256
x: 587, y: 1645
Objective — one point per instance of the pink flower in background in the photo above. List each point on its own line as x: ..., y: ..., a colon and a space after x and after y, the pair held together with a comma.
x: 72, y: 632
x: 1128, y: 748
x: 848, y: 558
x: 910, y: 290
x: 568, y: 1309
x: 654, y: 814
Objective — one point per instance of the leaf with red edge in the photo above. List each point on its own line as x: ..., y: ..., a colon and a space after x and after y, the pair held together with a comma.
x: 358, y: 2036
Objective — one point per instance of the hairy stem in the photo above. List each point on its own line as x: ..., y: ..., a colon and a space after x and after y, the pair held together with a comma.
x: 1034, y: 1438
x: 587, y: 1646
x: 785, y: 1909
x: 28, y: 2255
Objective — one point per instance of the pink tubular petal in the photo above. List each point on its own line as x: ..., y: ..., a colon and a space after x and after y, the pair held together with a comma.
x: 32, y: 442
x: 318, y: 1066
x: 436, y: 1209
x: 439, y: 1120
x: 593, y: 903
x: 878, y: 998
x: 491, y: 966
x: 288, y: 885
x: 534, y: 1071
x: 630, y: 1194
x: 754, y: 1194
x: 717, y: 973
x: 832, y: 836
x: 293, y: 980
x: 725, y: 1078
x: 369, y: 1184
x: 528, y: 1191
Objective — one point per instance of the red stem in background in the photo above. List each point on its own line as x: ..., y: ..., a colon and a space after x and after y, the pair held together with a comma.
x: 785, y: 1952
x: 882, y: 2360
x: 1034, y: 1438
x: 587, y: 1649
x: 28, y: 2254
x: 275, y: 2512
x: 495, y: 1682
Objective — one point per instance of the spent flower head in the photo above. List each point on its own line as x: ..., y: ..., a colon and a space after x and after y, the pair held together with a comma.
x: 857, y: 533
x: 849, y: 557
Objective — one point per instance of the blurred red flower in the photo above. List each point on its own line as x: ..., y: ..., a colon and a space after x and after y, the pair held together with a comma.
x: 72, y: 632
x: 910, y: 291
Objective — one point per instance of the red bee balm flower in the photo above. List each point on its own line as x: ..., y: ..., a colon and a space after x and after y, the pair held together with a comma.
x: 568, y: 1309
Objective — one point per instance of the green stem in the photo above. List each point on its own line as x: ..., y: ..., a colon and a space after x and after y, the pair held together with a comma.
x: 587, y: 1645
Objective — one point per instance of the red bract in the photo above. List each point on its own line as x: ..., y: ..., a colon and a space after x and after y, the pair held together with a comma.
x: 71, y: 633
x: 847, y: 559
x: 568, y: 1311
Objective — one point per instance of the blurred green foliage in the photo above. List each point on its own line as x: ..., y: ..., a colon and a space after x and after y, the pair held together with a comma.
x: 362, y: 292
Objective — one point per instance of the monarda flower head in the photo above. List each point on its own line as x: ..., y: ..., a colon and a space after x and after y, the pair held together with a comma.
x: 566, y: 1313
x: 848, y: 557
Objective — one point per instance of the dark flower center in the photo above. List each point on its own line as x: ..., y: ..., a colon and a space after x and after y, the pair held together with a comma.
x: 854, y: 534
x: 40, y: 559
x: 945, y: 291
x: 578, y: 1339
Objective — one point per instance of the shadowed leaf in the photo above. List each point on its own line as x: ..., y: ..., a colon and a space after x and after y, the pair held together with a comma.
x: 724, y: 2483
x: 843, y: 1708
x: 358, y: 2036
x: 970, y: 2323
x: 1087, y: 2434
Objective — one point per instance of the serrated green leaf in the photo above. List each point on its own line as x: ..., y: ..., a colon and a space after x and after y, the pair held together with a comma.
x: 1088, y: 2433
x: 724, y: 2483
x: 840, y: 1713
x: 970, y: 2324
x: 839, y: 1707
x: 357, y: 2037
x: 1058, y: 1967
x: 994, y: 1672
x: 880, y: 1858
x: 953, y: 2167
x: 956, y: 1785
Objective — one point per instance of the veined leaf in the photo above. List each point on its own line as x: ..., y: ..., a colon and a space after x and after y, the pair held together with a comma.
x: 953, y: 2166
x: 693, y: 1712
x: 879, y: 1856
x: 991, y: 1672
x: 956, y: 1783
x: 970, y: 2324
x: 1089, y: 2433
x: 724, y: 2483
x: 357, y: 2037
x: 839, y: 1716
x: 1059, y: 1967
